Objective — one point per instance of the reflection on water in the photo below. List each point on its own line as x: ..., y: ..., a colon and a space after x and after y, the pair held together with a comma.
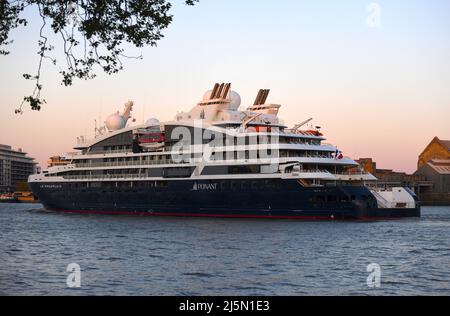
x: 198, y: 256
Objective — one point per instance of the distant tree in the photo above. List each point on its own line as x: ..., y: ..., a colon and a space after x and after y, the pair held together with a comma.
x: 93, y: 33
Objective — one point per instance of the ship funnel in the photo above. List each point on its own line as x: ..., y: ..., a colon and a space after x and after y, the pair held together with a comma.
x: 220, y: 91
x: 214, y: 91
x: 261, y: 97
x: 226, y: 90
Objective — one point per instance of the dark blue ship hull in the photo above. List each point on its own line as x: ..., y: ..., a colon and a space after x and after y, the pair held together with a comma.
x: 267, y: 198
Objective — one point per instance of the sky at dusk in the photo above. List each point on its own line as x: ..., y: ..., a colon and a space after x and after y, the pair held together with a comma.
x: 381, y: 92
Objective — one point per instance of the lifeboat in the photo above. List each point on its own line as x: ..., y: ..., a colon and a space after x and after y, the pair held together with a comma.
x: 150, y: 138
x: 314, y: 132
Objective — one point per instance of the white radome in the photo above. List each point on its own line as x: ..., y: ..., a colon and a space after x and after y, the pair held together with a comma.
x: 115, y: 122
x: 233, y: 95
x: 235, y: 100
x: 207, y: 95
x: 152, y: 121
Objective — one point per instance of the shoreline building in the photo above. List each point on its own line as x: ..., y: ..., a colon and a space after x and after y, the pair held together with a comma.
x: 431, y: 180
x: 15, y: 167
x: 434, y: 165
x: 437, y: 149
x: 389, y: 177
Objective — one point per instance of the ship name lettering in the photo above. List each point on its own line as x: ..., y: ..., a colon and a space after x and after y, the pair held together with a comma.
x: 51, y: 186
x: 205, y: 186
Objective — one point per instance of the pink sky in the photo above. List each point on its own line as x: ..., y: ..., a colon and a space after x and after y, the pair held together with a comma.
x: 381, y: 93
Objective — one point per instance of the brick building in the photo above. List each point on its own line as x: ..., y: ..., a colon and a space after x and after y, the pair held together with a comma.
x: 434, y: 165
x: 391, y: 177
x: 436, y: 149
x: 431, y: 181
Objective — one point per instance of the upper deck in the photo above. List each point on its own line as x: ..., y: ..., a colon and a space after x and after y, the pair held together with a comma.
x: 213, y: 135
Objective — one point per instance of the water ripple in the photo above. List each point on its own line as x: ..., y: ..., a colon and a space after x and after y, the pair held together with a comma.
x: 126, y: 255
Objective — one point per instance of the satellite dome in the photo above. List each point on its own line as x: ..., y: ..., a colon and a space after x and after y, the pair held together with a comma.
x: 235, y: 100
x: 152, y: 121
x: 232, y: 95
x: 207, y: 95
x: 115, y: 122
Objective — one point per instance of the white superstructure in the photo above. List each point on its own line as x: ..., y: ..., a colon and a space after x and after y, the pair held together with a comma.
x: 224, y: 142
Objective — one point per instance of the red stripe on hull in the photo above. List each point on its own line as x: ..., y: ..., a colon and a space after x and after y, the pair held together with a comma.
x: 329, y: 218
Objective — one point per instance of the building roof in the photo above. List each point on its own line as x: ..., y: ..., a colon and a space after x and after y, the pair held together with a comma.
x: 441, y: 166
x: 445, y: 143
x: 7, y: 152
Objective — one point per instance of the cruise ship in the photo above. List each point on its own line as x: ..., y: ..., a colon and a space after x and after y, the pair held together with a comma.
x: 217, y: 160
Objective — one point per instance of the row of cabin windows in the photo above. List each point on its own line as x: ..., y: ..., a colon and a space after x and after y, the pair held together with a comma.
x: 306, y: 153
x: 264, y: 153
x: 136, y: 158
x: 302, y: 141
x: 230, y: 140
x: 98, y: 172
x: 331, y: 198
x: 228, y: 185
x: 157, y: 172
x: 119, y: 184
x: 129, y: 159
x: 116, y: 147
x: 226, y: 140
x: 230, y: 155
x: 335, y: 198
x: 250, y: 184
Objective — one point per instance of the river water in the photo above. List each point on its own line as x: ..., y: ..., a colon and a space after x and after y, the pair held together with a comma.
x: 132, y: 255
